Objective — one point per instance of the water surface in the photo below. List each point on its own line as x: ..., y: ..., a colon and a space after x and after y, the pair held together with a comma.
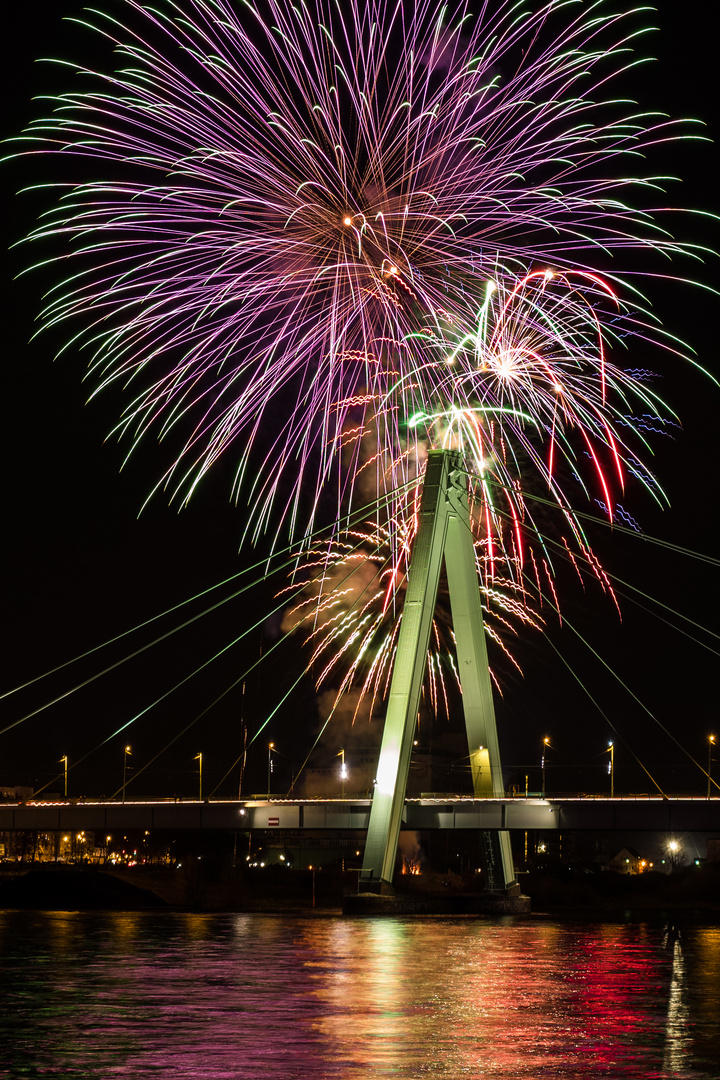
x: 239, y: 997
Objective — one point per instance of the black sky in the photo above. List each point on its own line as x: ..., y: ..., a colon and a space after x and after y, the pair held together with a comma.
x: 79, y: 567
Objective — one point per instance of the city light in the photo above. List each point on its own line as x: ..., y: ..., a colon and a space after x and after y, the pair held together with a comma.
x: 711, y: 743
x: 198, y: 758
x: 675, y: 851
x: 545, y: 744
x: 343, y: 772
x: 126, y: 754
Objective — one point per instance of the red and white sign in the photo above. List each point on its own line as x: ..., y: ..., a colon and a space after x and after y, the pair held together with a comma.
x: 273, y: 821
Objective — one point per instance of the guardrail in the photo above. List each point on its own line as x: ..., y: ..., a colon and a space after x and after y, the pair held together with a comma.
x: 640, y: 813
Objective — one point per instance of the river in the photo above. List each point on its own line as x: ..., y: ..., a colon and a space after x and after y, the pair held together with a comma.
x: 242, y: 997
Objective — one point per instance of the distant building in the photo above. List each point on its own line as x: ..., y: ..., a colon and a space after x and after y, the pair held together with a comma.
x: 712, y: 851
x: 627, y: 861
x: 15, y: 794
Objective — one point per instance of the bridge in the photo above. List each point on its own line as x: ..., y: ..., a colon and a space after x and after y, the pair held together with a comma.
x: 675, y: 814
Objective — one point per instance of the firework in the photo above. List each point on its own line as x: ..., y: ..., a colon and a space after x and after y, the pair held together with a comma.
x: 348, y: 601
x: 530, y: 395
x: 297, y: 216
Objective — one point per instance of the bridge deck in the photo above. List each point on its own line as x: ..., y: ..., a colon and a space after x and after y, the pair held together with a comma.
x: 641, y: 813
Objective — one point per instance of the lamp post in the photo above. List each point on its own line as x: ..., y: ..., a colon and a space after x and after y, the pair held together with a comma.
x: 675, y: 853
x: 198, y: 758
x: 271, y: 747
x: 545, y: 744
x: 711, y: 743
x: 611, y: 769
x: 343, y: 772
x: 64, y: 761
x: 126, y: 752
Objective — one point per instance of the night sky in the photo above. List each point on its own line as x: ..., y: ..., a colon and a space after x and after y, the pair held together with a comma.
x: 80, y: 568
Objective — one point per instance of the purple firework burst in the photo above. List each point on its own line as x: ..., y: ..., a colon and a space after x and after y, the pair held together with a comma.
x: 294, y: 216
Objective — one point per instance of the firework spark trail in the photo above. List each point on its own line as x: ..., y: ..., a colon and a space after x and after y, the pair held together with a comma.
x: 299, y: 209
x: 527, y: 396
x: 347, y: 600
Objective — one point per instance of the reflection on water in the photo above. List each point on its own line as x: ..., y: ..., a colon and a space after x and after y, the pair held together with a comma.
x: 98, y: 995
x: 677, y: 1028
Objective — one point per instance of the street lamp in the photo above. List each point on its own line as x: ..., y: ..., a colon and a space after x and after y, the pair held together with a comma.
x: 271, y: 747
x: 675, y: 852
x: 127, y: 752
x: 611, y: 769
x: 711, y: 743
x: 198, y: 758
x: 64, y: 760
x: 545, y: 744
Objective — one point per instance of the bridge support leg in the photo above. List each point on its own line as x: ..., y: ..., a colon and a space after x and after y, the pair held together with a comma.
x: 477, y: 694
x: 444, y: 530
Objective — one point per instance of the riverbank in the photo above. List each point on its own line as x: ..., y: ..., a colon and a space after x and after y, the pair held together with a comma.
x: 694, y: 892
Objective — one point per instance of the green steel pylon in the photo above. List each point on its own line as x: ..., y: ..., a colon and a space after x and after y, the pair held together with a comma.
x: 443, y: 530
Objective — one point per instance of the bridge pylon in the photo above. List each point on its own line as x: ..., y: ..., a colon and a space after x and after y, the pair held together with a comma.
x: 444, y: 531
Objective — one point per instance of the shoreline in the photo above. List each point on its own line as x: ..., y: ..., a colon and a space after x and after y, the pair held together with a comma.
x: 692, y: 896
